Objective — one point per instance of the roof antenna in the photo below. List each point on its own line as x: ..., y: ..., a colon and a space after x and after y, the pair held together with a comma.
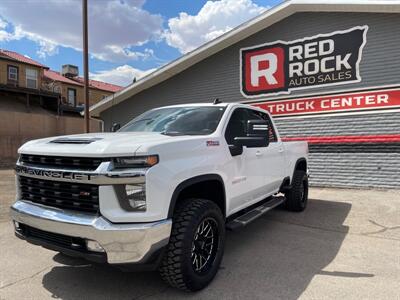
x: 217, y: 101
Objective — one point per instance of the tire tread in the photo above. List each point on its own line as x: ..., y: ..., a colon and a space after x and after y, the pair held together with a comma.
x: 293, y: 196
x: 171, y: 265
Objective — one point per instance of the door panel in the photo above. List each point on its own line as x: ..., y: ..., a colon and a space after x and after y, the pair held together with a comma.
x: 274, y: 166
x: 71, y: 97
x: 272, y: 156
x: 246, y: 171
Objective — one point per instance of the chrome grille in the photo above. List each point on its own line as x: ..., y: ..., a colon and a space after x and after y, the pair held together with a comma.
x: 72, y: 196
x: 76, y: 163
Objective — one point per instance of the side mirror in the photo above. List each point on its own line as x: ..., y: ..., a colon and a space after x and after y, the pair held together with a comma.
x: 115, y: 127
x: 236, y: 150
x: 257, y: 134
x: 258, y: 128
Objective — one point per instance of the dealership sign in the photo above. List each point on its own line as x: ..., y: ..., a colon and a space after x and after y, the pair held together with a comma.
x: 320, y: 60
x: 349, y: 102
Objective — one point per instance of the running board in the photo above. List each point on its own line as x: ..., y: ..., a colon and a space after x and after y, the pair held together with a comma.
x: 255, y: 213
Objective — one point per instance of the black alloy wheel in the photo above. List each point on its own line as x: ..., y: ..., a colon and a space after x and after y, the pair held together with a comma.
x: 297, y: 196
x: 205, y: 245
x: 196, y: 245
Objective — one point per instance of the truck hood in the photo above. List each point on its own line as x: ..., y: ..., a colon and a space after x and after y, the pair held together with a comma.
x: 96, y: 144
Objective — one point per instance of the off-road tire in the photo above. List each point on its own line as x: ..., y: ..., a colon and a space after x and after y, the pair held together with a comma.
x: 297, y: 196
x: 176, y: 267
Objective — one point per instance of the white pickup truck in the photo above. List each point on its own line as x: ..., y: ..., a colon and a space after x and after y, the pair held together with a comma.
x: 161, y: 191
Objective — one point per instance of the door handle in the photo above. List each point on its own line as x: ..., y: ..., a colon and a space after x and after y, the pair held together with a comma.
x: 259, y: 153
x: 280, y: 149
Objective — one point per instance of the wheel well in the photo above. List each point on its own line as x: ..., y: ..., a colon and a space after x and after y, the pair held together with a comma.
x: 209, y: 187
x: 285, y: 184
x: 301, y: 165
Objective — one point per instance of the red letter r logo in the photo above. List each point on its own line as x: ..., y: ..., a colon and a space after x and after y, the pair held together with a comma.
x: 264, y: 70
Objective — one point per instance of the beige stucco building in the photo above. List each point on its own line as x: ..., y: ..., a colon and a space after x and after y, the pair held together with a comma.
x: 23, y: 79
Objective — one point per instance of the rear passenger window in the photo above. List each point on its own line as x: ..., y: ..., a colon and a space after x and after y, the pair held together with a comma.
x: 254, y: 115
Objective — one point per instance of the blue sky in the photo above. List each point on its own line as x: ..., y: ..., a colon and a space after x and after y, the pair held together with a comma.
x: 128, y: 38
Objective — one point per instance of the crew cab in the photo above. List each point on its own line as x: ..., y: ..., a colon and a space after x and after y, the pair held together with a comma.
x: 161, y: 191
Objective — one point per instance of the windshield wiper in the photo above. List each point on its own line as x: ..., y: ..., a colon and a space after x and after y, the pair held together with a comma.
x: 141, y: 120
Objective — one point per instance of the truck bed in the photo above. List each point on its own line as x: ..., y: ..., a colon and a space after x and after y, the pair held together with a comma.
x: 293, y: 151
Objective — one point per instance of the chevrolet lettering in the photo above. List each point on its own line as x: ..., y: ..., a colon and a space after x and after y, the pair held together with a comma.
x: 22, y: 170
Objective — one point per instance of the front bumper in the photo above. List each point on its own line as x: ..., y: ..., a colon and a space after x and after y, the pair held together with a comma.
x: 122, y: 243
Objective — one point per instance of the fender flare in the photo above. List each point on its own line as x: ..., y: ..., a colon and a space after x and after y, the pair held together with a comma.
x: 300, y: 160
x: 188, y: 182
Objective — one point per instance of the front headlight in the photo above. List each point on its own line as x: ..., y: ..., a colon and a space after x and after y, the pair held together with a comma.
x: 136, y: 196
x: 135, y: 162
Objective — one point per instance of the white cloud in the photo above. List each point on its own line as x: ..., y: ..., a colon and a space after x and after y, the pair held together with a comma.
x: 187, y: 32
x: 5, y: 36
x: 114, y: 26
x: 122, y: 75
x: 46, y: 47
x: 117, y: 53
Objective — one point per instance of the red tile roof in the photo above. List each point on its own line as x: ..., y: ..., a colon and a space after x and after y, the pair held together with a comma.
x: 20, y: 58
x: 56, y: 76
x: 100, y: 85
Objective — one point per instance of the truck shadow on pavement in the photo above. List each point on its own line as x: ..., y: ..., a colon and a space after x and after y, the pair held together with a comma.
x: 274, y: 257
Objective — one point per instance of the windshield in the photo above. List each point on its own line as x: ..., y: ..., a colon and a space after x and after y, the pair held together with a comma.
x: 184, y: 120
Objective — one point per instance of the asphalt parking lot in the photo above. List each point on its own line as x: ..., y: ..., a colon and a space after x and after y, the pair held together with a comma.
x: 346, y: 245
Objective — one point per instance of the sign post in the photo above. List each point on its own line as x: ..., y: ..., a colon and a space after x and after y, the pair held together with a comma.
x: 85, y: 64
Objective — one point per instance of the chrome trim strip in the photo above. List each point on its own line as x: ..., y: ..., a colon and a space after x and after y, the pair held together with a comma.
x: 123, y: 243
x: 103, y: 175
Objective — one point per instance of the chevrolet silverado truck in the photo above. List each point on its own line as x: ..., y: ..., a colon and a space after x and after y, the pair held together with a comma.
x: 160, y: 192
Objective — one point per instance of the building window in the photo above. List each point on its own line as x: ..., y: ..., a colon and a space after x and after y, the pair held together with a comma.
x: 71, y: 97
x: 57, y: 89
x: 12, y: 73
x: 31, y: 78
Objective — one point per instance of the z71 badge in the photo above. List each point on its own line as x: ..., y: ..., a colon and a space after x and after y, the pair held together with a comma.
x: 212, y: 143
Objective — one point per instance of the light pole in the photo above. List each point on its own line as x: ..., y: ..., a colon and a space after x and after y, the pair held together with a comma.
x: 85, y: 64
